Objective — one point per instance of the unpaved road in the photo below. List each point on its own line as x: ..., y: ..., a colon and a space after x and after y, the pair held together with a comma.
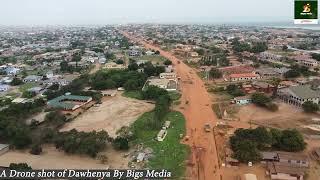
x: 203, y: 163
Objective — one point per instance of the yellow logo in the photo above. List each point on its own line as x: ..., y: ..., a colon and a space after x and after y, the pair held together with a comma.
x: 306, y: 8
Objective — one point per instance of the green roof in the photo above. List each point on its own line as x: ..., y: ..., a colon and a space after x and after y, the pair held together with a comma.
x: 304, y: 92
x: 58, y: 102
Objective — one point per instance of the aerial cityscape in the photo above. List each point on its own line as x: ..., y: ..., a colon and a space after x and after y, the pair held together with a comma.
x: 182, y: 99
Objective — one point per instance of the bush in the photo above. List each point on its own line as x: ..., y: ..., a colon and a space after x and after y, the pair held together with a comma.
x: 121, y: 143
x: 260, y: 99
x: 310, y: 107
x: 20, y: 166
x: 36, y: 149
x: 272, y: 107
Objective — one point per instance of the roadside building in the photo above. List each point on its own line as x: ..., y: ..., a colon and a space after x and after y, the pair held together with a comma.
x: 243, y: 77
x: 242, y: 100
x: 282, y: 171
x: 293, y: 159
x: 32, y: 78
x: 69, y: 102
x: 4, y: 148
x: 167, y: 84
x: 168, y: 76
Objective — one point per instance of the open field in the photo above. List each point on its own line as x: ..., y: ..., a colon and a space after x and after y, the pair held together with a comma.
x: 169, y: 154
x: 153, y: 58
x: 55, y: 159
x: 111, y: 115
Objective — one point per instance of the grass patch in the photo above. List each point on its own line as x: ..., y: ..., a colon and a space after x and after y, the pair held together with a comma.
x: 133, y: 94
x: 27, y: 86
x: 153, y: 58
x: 174, y: 95
x: 169, y: 154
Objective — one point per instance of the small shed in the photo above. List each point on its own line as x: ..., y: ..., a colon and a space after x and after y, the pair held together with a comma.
x: 4, y: 148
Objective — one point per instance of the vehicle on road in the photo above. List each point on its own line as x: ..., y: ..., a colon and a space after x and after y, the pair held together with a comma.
x: 207, y: 127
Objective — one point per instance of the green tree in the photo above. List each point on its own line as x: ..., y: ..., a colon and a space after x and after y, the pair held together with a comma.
x: 20, y: 166
x: 292, y: 141
x: 167, y: 62
x: 310, y: 107
x: 215, y: 73
x: 247, y: 151
x: 16, y: 82
x: 260, y: 99
x: 292, y: 73
x: 36, y: 149
x: 121, y: 143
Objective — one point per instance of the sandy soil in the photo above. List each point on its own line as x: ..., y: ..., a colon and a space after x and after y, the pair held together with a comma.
x: 203, y: 162
x: 54, y: 159
x: 111, y: 115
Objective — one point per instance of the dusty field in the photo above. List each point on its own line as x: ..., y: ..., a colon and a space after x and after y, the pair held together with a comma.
x: 287, y: 116
x: 203, y: 162
x: 54, y: 159
x: 111, y: 115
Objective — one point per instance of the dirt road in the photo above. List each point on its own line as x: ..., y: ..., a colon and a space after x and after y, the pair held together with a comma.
x: 203, y: 163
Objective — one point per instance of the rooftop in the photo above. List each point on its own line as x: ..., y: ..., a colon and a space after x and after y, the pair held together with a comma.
x: 304, y: 91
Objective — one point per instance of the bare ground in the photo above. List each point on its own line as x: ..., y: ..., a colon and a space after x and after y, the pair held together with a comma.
x: 51, y: 158
x: 111, y: 115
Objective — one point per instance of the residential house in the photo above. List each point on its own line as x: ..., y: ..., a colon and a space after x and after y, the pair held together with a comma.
x: 272, y: 72
x: 69, y: 102
x: 243, y: 77
x: 134, y: 52
x: 168, y: 76
x: 263, y: 87
x: 32, y: 78
x: 267, y: 56
x: 237, y: 69
x: 4, y: 87
x: 167, y: 84
x: 113, y: 65
x: 242, y: 100
x: 12, y: 70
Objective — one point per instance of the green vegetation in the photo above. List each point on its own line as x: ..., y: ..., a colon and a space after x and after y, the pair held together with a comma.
x: 20, y: 166
x: 169, y: 154
x: 27, y: 86
x: 75, y: 142
x: 256, y: 47
x: 215, y: 73
x: 262, y: 100
x: 246, y: 143
x: 16, y: 82
x: 234, y: 90
x: 310, y: 107
x: 153, y: 58
x: 133, y: 94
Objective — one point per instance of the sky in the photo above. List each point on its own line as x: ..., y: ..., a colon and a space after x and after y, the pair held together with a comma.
x: 81, y: 12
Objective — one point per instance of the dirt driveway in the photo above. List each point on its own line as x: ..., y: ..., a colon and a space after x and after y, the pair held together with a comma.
x: 111, y: 115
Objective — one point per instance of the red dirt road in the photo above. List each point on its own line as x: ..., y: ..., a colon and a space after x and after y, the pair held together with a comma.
x: 203, y: 162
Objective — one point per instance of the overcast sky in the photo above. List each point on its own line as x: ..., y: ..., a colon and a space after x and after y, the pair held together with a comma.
x: 46, y: 12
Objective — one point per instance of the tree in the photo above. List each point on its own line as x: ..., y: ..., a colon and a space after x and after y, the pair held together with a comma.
x: 215, y: 73
x: 16, y: 82
x: 20, y: 166
x: 284, y: 48
x: 292, y: 141
x: 119, y: 61
x: 259, y: 47
x: 64, y: 66
x: 121, y: 143
x: 167, y: 62
x: 247, y: 151
x: 234, y: 90
x: 200, y: 51
x: 36, y: 149
x: 292, y: 73
x: 157, y: 52
x: 310, y: 107
x: 28, y: 94
x: 260, y: 99
x: 133, y: 67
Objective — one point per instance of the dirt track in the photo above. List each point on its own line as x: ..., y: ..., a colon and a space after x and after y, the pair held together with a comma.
x: 203, y: 163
